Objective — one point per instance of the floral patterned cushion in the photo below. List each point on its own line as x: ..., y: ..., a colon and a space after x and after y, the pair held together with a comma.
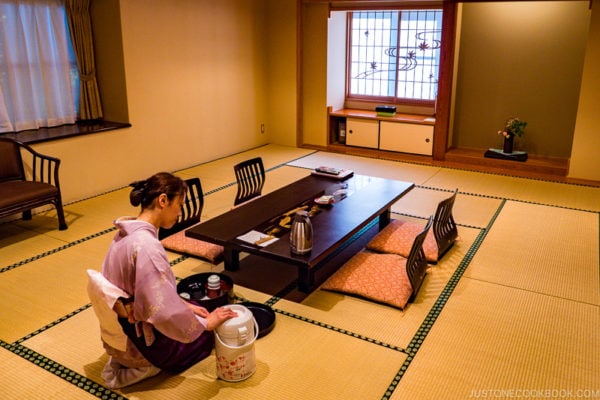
x: 180, y: 243
x: 374, y: 276
x: 398, y: 237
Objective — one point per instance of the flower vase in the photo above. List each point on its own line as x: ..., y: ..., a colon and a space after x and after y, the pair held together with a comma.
x: 508, y: 145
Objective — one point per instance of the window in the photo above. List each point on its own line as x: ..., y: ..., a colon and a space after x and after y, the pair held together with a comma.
x: 394, y: 56
x: 39, y: 81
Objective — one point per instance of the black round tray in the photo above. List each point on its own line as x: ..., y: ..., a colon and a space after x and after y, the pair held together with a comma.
x: 195, y: 286
x: 264, y: 316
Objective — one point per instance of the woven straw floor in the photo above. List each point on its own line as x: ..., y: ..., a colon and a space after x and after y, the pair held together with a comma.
x: 511, y: 311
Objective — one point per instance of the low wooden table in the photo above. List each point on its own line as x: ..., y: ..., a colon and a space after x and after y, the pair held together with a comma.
x: 365, y: 199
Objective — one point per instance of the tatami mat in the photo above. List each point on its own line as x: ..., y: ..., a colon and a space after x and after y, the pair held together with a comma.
x: 367, y: 166
x: 42, y: 291
x: 292, y: 355
x: 500, y: 186
x: 272, y: 155
x: 383, y: 323
x: 513, y: 305
x: 529, y: 190
x: 509, y: 340
x: 468, y: 210
x: 21, y: 379
x: 18, y: 244
x: 542, y: 249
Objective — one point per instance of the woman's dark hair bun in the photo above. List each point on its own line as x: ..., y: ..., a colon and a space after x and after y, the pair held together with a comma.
x: 144, y: 192
x: 137, y: 193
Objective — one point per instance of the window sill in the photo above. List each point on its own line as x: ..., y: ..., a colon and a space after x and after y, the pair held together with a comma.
x: 64, y: 131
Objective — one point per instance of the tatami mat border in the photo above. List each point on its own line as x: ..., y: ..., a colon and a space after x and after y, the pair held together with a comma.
x: 416, y: 342
x: 425, y: 164
x: 54, y: 323
x: 486, y: 196
x: 56, y: 250
x: 468, y: 170
x: 341, y: 330
x: 426, y: 218
x: 80, y: 309
x: 61, y: 371
x: 95, y: 235
x: 411, y: 350
x: 235, y: 183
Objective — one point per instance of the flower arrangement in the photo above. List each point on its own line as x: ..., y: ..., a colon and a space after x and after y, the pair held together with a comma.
x: 513, y: 127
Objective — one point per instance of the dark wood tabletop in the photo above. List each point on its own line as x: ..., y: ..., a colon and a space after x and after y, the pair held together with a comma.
x: 362, y: 199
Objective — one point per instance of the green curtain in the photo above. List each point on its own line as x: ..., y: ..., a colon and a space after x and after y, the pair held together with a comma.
x: 80, y: 27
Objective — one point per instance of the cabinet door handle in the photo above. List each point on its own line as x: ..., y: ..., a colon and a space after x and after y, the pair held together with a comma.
x: 427, y: 140
x: 350, y: 131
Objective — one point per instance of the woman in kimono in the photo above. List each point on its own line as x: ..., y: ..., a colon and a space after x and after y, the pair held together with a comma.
x: 163, y: 331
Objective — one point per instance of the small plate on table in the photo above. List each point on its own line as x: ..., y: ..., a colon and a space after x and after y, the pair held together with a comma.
x: 325, y: 200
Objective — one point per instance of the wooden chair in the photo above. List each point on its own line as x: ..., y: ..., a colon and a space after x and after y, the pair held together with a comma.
x: 174, y: 238
x: 191, y: 209
x: 250, y: 177
x: 416, y: 263
x: 21, y: 193
x: 444, y: 227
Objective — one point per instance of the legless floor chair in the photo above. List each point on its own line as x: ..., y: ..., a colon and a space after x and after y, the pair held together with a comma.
x: 250, y: 177
x: 397, y: 237
x: 174, y: 239
x: 385, y: 278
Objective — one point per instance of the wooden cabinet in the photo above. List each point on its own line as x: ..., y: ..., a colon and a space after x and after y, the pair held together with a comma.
x: 407, y: 138
x: 406, y: 133
x: 362, y: 132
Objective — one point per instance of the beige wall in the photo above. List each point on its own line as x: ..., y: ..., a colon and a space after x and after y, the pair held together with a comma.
x: 314, y: 74
x: 585, y: 161
x: 520, y: 59
x: 110, y: 66
x: 282, y: 73
x: 200, y: 78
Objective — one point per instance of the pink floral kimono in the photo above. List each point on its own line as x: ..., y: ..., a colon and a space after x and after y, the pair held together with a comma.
x: 166, y: 334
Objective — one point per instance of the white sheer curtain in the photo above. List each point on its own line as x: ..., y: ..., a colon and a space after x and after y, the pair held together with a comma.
x: 36, y: 66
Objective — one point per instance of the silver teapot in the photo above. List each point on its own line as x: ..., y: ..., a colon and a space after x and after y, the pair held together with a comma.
x: 301, y: 234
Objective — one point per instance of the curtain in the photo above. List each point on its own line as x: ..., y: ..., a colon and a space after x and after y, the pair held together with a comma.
x: 80, y: 26
x: 36, y: 85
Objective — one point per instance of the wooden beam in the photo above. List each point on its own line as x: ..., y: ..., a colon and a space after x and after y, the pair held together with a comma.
x: 444, y: 94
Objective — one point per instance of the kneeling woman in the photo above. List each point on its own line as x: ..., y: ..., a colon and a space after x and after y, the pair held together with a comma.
x: 164, y: 332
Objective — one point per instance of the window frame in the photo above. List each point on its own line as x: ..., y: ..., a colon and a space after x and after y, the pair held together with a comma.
x: 394, y: 100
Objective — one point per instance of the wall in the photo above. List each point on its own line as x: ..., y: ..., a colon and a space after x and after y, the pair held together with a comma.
x: 109, y: 58
x: 585, y: 163
x: 336, y: 60
x: 197, y: 88
x: 314, y: 74
x: 520, y: 59
x: 282, y: 75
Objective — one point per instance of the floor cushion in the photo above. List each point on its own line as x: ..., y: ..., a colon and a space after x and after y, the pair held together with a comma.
x: 398, y: 236
x: 374, y: 276
x: 180, y: 243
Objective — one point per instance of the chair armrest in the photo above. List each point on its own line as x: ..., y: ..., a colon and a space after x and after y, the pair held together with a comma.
x: 44, y: 168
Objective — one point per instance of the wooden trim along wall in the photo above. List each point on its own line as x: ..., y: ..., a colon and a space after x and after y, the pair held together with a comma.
x: 442, y: 109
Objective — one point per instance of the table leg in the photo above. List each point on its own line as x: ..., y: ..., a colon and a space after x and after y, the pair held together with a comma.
x: 384, y: 218
x: 306, y: 280
x: 231, y: 259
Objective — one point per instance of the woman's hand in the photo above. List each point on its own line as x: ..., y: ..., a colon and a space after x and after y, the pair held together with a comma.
x: 218, y: 316
x: 198, y: 310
